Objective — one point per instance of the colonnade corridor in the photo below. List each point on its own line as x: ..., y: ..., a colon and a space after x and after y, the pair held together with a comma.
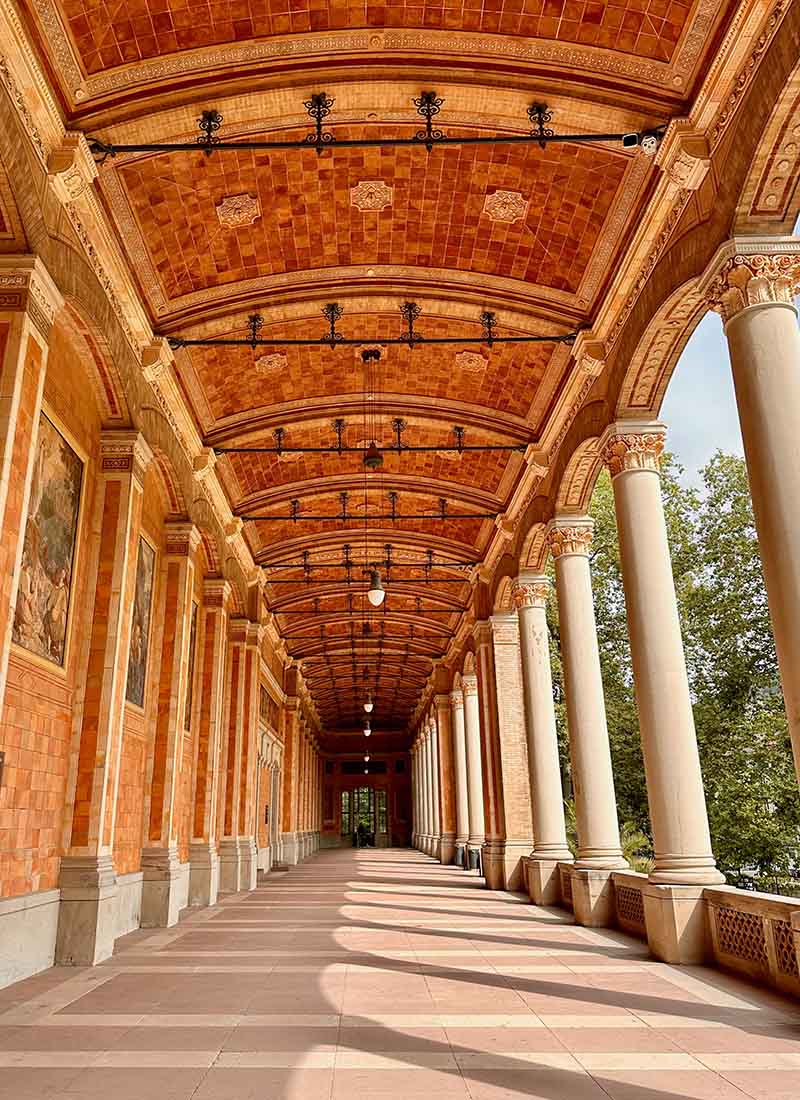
x: 384, y: 974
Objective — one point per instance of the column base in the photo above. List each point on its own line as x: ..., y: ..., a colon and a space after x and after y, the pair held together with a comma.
x: 592, y: 897
x: 447, y: 848
x: 460, y: 854
x: 248, y: 863
x: 503, y: 863
x: 164, y: 887
x: 264, y: 859
x: 677, y: 923
x: 203, y: 874
x: 290, y: 849
x: 473, y: 859
x: 87, y: 918
x: 230, y: 866
x: 544, y: 882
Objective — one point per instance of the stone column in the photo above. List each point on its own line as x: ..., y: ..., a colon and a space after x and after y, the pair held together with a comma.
x: 248, y: 848
x: 447, y: 804
x: 684, y: 862
x: 599, y: 850
x: 547, y: 799
x: 428, y: 764
x: 415, y: 796
x: 203, y: 855
x: 87, y: 919
x: 472, y: 733
x: 230, y: 863
x: 460, y: 768
x: 509, y: 825
x: 753, y: 289
x: 165, y: 885
x: 28, y: 304
x: 436, y: 791
x: 291, y: 752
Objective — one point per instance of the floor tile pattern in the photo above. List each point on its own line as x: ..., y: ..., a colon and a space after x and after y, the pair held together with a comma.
x: 382, y: 974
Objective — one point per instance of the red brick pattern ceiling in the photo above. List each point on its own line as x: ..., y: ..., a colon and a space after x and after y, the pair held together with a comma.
x: 233, y: 384
x: 437, y: 217
x: 108, y: 33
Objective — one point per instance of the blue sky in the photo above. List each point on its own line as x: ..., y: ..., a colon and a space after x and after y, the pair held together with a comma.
x: 700, y: 408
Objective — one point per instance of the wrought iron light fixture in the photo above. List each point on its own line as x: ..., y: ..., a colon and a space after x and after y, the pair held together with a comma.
x: 428, y: 105
x: 369, y: 705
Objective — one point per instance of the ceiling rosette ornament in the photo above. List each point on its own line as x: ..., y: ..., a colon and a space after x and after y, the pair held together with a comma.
x: 237, y: 210
x: 269, y: 364
x: 505, y: 206
x: 371, y: 195
x: 471, y: 361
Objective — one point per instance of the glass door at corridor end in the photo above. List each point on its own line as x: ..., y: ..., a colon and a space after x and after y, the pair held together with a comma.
x: 364, y: 816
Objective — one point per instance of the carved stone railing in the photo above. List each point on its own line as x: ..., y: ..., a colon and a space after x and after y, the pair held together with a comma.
x: 629, y: 903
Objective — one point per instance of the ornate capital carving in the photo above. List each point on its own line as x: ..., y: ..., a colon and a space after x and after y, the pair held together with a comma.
x: 457, y: 700
x: 589, y: 353
x: 125, y: 452
x: 684, y: 155
x: 156, y: 360
x: 570, y: 539
x: 530, y: 592
x: 753, y: 276
x: 71, y: 167
x: 182, y: 539
x: 216, y: 592
x: 633, y: 451
x: 255, y: 635
x: 469, y: 684
x: 26, y: 287
x: 204, y: 463
x: 233, y: 528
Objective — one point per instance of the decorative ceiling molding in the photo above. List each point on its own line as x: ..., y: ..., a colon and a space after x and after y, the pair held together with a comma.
x: 505, y: 206
x: 371, y: 195
x: 236, y: 211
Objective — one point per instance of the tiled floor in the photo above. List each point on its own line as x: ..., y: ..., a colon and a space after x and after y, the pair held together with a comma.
x: 381, y: 974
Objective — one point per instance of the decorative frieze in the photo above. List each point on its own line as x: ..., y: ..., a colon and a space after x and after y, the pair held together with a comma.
x: 634, y: 451
x: 182, y: 539
x: 216, y: 592
x: 26, y: 287
x: 570, y: 539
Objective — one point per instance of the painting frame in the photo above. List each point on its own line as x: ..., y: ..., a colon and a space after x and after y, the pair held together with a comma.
x: 143, y: 548
x: 23, y: 652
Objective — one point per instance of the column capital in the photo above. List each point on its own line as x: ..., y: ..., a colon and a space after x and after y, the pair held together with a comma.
x: 505, y: 628
x: 238, y: 629
x: 530, y: 590
x: 632, y: 445
x: 26, y: 286
x: 182, y: 538
x: 255, y: 635
x: 469, y: 684
x: 157, y: 358
x: 457, y: 699
x: 482, y: 632
x: 216, y: 592
x: 752, y: 271
x: 125, y: 452
x: 71, y: 167
x: 570, y: 534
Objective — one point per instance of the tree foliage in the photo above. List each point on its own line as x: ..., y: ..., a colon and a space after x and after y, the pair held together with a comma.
x: 748, y: 770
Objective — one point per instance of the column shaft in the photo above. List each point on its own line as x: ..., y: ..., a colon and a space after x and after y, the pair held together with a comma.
x: 472, y: 732
x: 460, y: 769
x: 669, y: 744
x: 592, y: 776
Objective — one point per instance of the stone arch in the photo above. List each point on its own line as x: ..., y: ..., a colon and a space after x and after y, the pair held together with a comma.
x: 234, y: 574
x: 534, y: 549
x: 503, y: 601
x: 578, y: 480
x: 97, y: 359
x: 650, y: 368
x: 170, y: 484
x: 469, y: 668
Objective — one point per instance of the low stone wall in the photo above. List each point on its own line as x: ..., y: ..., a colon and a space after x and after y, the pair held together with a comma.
x: 757, y: 935
x: 28, y: 927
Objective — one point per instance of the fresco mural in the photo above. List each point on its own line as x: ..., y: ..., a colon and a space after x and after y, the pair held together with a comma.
x: 48, y: 553
x: 187, y: 714
x: 140, y: 626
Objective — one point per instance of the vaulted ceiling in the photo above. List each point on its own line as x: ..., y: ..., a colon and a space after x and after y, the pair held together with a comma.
x: 531, y: 234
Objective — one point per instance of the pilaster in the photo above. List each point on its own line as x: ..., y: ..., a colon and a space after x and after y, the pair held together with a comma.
x: 87, y: 916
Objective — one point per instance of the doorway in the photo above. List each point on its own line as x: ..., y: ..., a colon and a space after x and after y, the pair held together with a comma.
x: 364, y: 817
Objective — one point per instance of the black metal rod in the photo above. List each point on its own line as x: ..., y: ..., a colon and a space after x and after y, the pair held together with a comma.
x: 398, y: 517
x: 388, y: 450
x: 346, y: 612
x: 395, y: 580
x: 176, y: 342
x: 367, y: 565
x: 110, y: 149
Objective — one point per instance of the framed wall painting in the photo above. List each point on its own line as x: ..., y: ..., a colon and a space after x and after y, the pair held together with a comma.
x: 140, y: 623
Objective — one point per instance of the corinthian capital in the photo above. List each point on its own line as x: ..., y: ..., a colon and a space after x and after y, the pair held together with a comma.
x: 530, y: 592
x: 754, y: 273
x: 469, y: 684
x: 570, y: 537
x: 633, y: 449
